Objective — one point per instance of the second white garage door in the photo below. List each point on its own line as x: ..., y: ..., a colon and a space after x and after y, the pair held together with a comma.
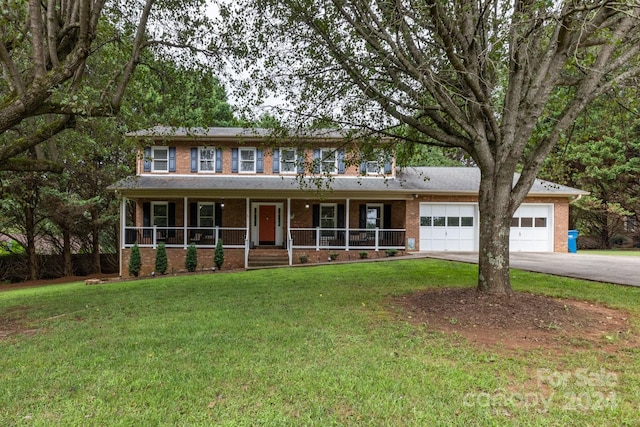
x: 531, y: 229
x: 448, y: 227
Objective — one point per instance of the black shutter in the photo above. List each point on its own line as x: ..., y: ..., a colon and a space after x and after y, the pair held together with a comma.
x: 259, y: 161
x: 146, y: 214
x: 172, y: 159
x: 234, y: 160
x: 171, y: 219
x: 194, y: 159
x: 386, y: 217
x: 387, y: 168
x: 300, y: 160
x: 340, y: 216
x: 341, y: 165
x: 219, y: 160
x: 317, y: 161
x: 276, y: 160
x: 193, y: 214
x: 362, y: 219
x: 316, y: 216
x: 218, y: 215
x: 147, y: 159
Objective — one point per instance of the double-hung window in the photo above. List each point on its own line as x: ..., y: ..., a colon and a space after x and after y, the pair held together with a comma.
x: 374, y: 167
x: 288, y: 160
x: 374, y: 216
x: 328, y: 161
x: 160, y: 159
x: 160, y: 214
x: 206, y: 159
x: 328, y: 218
x: 247, y: 160
x: 206, y: 215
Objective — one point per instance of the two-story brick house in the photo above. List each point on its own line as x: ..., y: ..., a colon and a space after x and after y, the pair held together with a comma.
x: 312, y: 195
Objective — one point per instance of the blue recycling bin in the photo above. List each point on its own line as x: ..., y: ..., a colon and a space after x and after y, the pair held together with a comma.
x: 573, y: 241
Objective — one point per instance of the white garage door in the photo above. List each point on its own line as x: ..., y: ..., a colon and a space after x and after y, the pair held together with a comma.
x: 448, y: 227
x: 531, y: 229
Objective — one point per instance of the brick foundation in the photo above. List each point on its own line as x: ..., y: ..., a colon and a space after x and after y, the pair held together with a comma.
x: 233, y: 259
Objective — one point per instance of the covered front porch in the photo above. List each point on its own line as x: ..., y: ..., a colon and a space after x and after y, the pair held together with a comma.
x: 254, y: 224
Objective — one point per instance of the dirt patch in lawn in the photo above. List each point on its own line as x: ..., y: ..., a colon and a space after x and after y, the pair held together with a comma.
x: 520, y: 321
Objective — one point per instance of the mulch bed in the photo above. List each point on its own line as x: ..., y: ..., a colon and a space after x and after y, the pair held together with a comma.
x: 519, y: 321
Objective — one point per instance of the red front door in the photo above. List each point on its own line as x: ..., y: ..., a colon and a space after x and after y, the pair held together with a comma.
x: 267, y: 225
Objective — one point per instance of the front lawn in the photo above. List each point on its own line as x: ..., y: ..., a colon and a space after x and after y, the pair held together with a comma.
x: 296, y: 346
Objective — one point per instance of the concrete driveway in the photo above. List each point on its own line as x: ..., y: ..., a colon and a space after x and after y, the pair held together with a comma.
x: 622, y: 270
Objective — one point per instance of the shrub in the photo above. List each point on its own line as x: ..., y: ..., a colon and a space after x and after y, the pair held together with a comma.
x: 161, y: 259
x: 391, y: 252
x: 364, y: 254
x: 135, y: 261
x: 333, y: 256
x: 304, y: 259
x: 218, y: 256
x: 191, y: 261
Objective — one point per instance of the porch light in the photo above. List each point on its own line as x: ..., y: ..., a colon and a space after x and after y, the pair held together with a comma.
x: 306, y: 206
x: 222, y: 205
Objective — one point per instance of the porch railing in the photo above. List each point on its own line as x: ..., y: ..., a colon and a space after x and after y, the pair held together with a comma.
x: 341, y: 238
x: 181, y: 237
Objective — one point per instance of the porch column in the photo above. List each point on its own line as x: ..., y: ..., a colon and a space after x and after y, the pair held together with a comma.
x: 289, y: 242
x: 247, y: 241
x: 184, y: 222
x: 288, y: 214
x: 123, y: 221
x: 346, y: 223
x: 123, y: 231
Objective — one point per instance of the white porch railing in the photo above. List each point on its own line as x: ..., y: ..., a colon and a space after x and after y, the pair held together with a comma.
x: 346, y: 239
x: 183, y: 237
x: 290, y: 247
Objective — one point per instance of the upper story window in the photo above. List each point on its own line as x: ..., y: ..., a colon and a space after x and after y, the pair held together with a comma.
x: 206, y: 159
x: 328, y: 160
x: 247, y: 160
x: 288, y: 160
x: 160, y: 159
x: 376, y: 164
x: 374, y: 167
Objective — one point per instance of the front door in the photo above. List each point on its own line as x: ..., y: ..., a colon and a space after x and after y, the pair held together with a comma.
x: 267, y: 225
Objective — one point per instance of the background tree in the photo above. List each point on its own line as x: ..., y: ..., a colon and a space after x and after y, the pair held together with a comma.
x: 95, y: 154
x: 600, y: 153
x: 483, y: 77
x: 49, y: 51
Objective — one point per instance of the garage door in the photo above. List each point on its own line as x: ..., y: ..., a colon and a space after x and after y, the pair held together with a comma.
x: 448, y: 227
x: 531, y: 229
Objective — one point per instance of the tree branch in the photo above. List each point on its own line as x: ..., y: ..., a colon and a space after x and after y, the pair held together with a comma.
x: 23, y: 164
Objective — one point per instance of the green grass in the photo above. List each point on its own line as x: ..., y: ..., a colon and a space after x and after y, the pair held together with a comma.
x: 624, y: 252
x: 298, y: 346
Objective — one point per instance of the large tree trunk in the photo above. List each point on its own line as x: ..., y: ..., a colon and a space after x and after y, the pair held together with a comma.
x: 495, y: 225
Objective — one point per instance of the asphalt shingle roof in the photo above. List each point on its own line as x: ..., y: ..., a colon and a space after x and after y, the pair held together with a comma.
x: 421, y: 180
